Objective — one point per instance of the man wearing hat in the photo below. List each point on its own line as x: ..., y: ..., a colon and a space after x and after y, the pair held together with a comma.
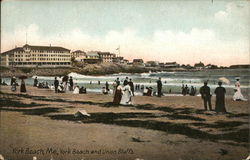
x: 206, y: 96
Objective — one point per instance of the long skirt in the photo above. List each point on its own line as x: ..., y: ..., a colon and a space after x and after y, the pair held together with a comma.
x: 220, y: 104
x: 117, y: 97
x: 23, y: 88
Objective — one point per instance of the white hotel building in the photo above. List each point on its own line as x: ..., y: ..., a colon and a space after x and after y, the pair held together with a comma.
x: 36, y: 56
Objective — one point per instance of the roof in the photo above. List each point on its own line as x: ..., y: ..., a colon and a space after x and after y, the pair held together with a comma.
x: 92, y: 53
x: 48, y: 48
x: 13, y: 50
x: 78, y: 51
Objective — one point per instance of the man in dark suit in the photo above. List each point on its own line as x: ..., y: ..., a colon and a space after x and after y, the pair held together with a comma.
x: 159, y: 87
x: 56, y: 84
x: 131, y: 84
x: 125, y: 81
x: 206, y: 96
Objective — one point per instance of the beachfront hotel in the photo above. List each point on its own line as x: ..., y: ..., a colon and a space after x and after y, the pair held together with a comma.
x: 36, y: 56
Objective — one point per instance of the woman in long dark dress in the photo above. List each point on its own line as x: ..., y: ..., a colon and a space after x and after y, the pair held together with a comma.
x: 118, y: 95
x: 23, y: 87
x: 220, y: 98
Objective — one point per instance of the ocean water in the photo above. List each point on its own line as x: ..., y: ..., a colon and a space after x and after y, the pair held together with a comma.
x: 171, y: 80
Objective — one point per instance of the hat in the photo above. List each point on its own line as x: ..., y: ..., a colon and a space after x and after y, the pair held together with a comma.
x: 237, y: 78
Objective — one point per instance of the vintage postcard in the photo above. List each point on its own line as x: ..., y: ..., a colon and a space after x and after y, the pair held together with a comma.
x: 124, y: 80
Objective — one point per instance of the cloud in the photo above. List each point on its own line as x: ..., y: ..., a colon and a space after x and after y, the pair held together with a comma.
x: 164, y: 45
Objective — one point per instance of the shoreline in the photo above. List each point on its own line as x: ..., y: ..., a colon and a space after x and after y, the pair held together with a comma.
x: 95, y: 70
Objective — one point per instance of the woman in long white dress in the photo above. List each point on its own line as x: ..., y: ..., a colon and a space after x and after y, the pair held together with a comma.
x: 126, y: 95
x: 238, y: 95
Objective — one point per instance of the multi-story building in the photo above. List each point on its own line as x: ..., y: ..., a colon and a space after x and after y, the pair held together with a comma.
x: 78, y: 55
x: 92, y: 57
x: 138, y: 62
x: 106, y: 57
x: 36, y: 56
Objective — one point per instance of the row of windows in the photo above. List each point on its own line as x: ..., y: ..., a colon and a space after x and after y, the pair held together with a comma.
x: 39, y: 63
x: 42, y: 51
x: 43, y: 55
x: 48, y: 59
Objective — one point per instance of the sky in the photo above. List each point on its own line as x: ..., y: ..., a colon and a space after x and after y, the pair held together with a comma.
x: 185, y: 31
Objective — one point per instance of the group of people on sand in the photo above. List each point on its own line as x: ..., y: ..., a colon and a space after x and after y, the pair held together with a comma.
x: 67, y: 84
x: 14, y: 84
x: 220, y: 96
x: 186, y: 91
x: 123, y: 93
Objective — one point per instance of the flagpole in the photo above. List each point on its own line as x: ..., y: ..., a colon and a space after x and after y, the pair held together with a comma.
x: 119, y: 51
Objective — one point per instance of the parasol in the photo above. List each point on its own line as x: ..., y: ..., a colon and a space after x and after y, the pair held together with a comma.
x: 224, y: 80
x: 22, y: 77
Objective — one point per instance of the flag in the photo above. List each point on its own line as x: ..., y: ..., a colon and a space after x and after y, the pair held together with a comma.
x: 118, y: 48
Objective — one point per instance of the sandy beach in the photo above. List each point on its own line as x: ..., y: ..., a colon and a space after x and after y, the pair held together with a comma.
x: 41, y: 123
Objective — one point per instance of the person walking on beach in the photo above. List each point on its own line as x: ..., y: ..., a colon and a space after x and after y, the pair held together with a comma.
x: 71, y: 83
x: 159, y: 87
x: 118, y: 95
x: 220, y: 98
x: 13, y: 86
x: 131, y: 84
x: 206, y: 96
x: 56, y: 84
x: 13, y: 79
x: 35, y: 82
x: 238, y: 95
x: 23, y: 87
x: 126, y: 95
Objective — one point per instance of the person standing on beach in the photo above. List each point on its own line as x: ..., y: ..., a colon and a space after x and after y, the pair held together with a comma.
x: 22, y: 87
x: 206, y: 96
x: 220, y: 98
x: 71, y: 83
x: 35, y: 82
x: 56, y: 84
x: 131, y: 84
x: 107, y: 86
x: 159, y: 87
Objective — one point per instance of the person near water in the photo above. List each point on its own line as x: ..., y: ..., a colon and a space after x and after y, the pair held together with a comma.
x: 104, y: 90
x: 131, y: 84
x: 35, y: 82
x: 220, y: 98
x: 183, y: 90
x: 238, y: 95
x: 56, y: 84
x: 12, y: 80
x: 206, y: 96
x: 117, y: 82
x: 23, y: 86
x: 126, y: 95
x: 71, y: 83
x: 107, y: 86
x: 159, y: 87
x: 125, y: 81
